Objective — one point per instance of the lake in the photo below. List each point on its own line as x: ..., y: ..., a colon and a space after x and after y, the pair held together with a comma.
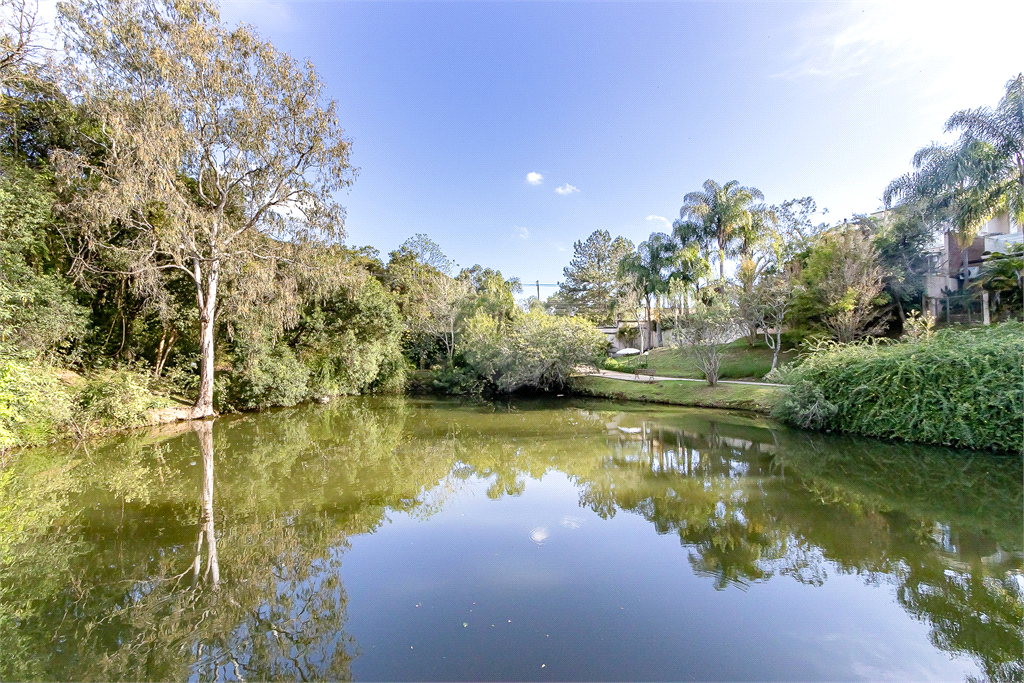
x: 422, y: 539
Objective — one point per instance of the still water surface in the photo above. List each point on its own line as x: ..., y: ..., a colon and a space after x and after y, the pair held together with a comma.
x: 401, y: 539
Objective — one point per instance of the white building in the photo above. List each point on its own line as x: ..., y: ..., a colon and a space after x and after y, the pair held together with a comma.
x: 952, y: 267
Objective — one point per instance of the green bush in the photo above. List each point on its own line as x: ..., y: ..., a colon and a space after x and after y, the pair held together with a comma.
x: 534, y: 350
x: 35, y: 406
x: 268, y: 378
x: 456, y: 381
x: 115, y: 401
x: 958, y: 388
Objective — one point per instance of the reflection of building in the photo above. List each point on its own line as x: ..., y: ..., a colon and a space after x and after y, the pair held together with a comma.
x: 952, y: 267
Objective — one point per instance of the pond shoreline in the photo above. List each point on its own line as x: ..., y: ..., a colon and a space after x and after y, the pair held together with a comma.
x: 732, y: 396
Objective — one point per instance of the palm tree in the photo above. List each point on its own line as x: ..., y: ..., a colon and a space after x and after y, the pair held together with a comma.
x: 759, y: 230
x: 963, y: 185
x: 689, y: 265
x: 714, y: 215
x: 647, y: 267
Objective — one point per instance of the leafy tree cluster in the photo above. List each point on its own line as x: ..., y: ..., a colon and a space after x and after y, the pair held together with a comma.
x: 467, y: 332
x: 165, y: 208
x: 848, y: 280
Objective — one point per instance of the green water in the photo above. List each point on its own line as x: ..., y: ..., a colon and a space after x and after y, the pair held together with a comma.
x: 401, y: 539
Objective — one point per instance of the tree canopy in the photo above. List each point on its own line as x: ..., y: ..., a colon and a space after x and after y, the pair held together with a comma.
x: 716, y: 214
x: 220, y: 151
x: 961, y: 186
x: 592, y: 277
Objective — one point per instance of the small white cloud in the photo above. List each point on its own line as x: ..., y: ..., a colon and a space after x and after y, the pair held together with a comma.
x: 567, y: 189
x: 522, y: 232
x: 560, y: 248
x: 534, y: 178
x: 572, y: 522
x: 660, y: 219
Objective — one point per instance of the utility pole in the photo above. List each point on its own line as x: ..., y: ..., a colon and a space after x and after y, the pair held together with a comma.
x: 538, y: 291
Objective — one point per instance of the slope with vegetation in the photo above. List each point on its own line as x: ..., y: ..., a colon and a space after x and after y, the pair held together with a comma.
x: 739, y: 361
x: 957, y: 388
x: 758, y: 399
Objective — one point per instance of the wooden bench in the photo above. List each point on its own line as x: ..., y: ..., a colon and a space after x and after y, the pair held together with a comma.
x: 646, y: 372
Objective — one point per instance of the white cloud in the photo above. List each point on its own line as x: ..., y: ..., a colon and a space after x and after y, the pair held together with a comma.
x: 567, y: 189
x: 660, y: 219
x: 534, y: 178
x: 522, y: 232
x: 896, y: 42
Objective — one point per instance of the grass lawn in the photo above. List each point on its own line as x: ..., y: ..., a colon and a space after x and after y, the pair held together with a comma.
x: 741, y: 396
x: 739, y: 361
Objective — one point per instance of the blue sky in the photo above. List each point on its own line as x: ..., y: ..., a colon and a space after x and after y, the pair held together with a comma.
x: 627, y: 107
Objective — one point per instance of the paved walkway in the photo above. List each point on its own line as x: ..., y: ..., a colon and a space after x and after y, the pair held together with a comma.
x: 630, y: 377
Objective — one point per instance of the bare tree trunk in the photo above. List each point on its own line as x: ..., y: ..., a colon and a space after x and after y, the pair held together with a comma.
x: 162, y: 353
x: 159, y: 354
x: 207, y: 320
x: 657, y: 314
x: 449, y: 342
x: 778, y: 345
x: 204, y: 431
x: 166, y: 353
x: 649, y: 335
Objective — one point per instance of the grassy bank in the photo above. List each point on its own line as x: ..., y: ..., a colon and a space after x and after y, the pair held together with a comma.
x: 739, y: 361
x: 956, y: 388
x: 698, y: 394
x: 40, y: 403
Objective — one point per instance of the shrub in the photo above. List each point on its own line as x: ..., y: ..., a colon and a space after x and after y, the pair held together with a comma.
x: 115, y: 401
x: 958, y: 388
x: 616, y: 364
x: 268, y: 378
x: 456, y: 381
x: 534, y: 350
x: 34, y: 405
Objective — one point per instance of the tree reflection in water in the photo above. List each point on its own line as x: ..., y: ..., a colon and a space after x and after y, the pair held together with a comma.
x: 95, y: 583
x: 847, y: 506
x: 204, y: 430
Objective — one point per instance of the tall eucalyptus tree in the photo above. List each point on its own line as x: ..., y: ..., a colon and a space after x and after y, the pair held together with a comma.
x: 222, y: 154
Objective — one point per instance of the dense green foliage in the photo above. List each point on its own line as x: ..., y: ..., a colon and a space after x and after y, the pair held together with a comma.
x: 840, y: 285
x: 39, y: 403
x: 534, y: 350
x: 591, y: 278
x: 37, y: 307
x: 33, y: 404
x: 959, y: 388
